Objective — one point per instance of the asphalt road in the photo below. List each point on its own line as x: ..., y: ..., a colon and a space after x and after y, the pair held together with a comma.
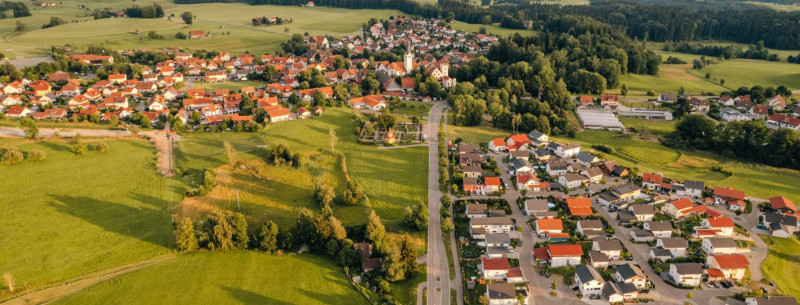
x: 438, y: 282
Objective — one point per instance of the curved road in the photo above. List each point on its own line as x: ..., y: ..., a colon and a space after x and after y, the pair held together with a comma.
x: 438, y: 282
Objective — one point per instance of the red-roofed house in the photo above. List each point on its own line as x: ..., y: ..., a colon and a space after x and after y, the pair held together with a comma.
x: 547, y: 226
x: 783, y: 205
x: 528, y: 181
x: 196, y: 34
x: 611, y: 100
x: 494, y: 268
x: 579, y: 207
x: 117, y: 78
x: 734, y: 198
x: 678, y: 208
x: 278, y: 115
x: 586, y: 100
x: 492, y: 184
x: 498, y: 145
x: 779, y: 120
x: 18, y: 112
x: 733, y: 266
x: 559, y: 255
x: 517, y: 142
x: 652, y: 181
x: 40, y: 88
x: 375, y: 102
x: 723, y: 224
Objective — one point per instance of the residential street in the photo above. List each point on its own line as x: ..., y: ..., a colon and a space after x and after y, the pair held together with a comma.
x: 438, y: 282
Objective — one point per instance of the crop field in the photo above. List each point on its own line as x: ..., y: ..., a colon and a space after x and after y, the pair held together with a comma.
x: 69, y: 215
x: 238, y: 277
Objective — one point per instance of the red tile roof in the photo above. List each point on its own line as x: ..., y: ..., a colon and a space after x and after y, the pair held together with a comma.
x: 731, y: 261
x: 494, y: 181
x: 722, y: 222
x: 549, y: 224
x: 682, y: 204
x: 580, y: 211
x: 781, y: 202
x: 728, y: 192
x: 495, y: 264
x: 579, y: 202
x: 564, y: 250
x: 652, y: 178
x: 499, y: 142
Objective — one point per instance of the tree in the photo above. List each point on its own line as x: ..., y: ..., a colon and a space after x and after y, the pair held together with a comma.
x: 220, y: 233
x: 180, y: 35
x: 20, y: 26
x: 447, y: 225
x: 323, y: 193
x: 230, y: 153
x: 337, y: 230
x: 408, y: 252
x: 78, y: 147
x: 187, y: 17
x: 101, y: 147
x: 268, y: 237
x: 624, y: 90
x: 395, y: 270
x: 113, y: 120
x: 484, y: 300
x: 36, y: 155
x: 376, y: 232
x: 185, y: 236
x: 12, y: 156
x: 332, y: 139
x: 417, y: 216
x: 29, y: 127
x: 240, y: 237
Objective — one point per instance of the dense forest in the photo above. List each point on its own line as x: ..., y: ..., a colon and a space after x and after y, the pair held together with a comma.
x: 757, y: 51
x: 18, y: 9
x: 147, y: 11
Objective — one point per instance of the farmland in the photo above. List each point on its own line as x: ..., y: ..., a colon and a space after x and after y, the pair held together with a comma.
x: 69, y: 215
x: 227, y: 278
x: 781, y: 264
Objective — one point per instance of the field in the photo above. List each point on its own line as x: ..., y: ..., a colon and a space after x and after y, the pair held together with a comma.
x: 229, y: 23
x: 233, y: 86
x: 384, y: 174
x: 490, y: 29
x: 781, y: 264
x: 69, y: 215
x: 244, y: 277
x: 657, y: 127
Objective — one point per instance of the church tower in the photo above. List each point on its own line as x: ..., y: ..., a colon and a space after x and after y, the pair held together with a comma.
x: 408, y: 59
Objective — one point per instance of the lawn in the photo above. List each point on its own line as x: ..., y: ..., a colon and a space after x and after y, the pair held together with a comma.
x: 748, y: 72
x: 406, y: 291
x: 781, y: 264
x: 69, y: 215
x: 243, y: 277
x: 410, y: 108
x: 657, y: 127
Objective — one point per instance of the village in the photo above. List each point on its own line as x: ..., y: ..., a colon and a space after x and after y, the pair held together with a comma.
x: 608, y: 233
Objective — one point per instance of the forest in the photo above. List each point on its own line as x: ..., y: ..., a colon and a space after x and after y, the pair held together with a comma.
x: 18, y: 9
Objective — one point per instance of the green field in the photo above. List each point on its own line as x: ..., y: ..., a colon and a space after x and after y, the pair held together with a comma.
x: 410, y: 108
x: 230, y: 24
x: 490, y: 29
x: 233, y: 86
x: 781, y: 264
x: 244, y: 277
x: 69, y: 215
x: 657, y: 127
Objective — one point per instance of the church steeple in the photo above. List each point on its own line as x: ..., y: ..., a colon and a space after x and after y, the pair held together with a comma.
x: 408, y: 59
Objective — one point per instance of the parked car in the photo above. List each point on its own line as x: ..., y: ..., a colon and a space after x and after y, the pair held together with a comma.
x: 764, y: 290
x: 711, y: 285
x: 771, y: 283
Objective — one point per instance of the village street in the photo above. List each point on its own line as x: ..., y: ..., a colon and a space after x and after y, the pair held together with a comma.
x: 438, y: 282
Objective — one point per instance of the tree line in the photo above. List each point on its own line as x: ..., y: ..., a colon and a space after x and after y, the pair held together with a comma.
x: 756, y: 51
x: 18, y: 9
x: 147, y: 11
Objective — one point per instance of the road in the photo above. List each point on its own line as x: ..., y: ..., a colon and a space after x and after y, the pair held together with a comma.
x: 438, y: 281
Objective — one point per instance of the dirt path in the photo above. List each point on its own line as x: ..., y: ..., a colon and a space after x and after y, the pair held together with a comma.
x: 52, y: 293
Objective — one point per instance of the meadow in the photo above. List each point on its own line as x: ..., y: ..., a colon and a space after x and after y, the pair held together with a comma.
x: 781, y: 264
x: 237, y: 277
x: 69, y: 215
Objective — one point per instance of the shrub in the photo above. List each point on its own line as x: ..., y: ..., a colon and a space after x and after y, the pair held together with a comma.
x: 101, y: 147
x: 12, y: 156
x: 36, y: 155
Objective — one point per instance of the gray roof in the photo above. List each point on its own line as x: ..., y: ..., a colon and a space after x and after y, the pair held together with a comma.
x: 722, y: 242
x: 498, y: 238
x: 502, y: 291
x: 628, y: 271
x: 668, y: 97
x: 559, y: 165
x: 688, y: 268
x: 780, y: 218
x: 468, y: 148
x: 627, y: 288
x: 472, y: 169
x: 586, y: 157
x: 627, y: 188
x: 639, y: 233
x: 535, y: 134
x: 662, y: 253
x: 775, y: 300
x: 610, y: 288
x: 536, y: 204
x: 609, y: 245
x: 695, y: 185
x: 591, y: 224
x: 594, y: 172
x: 598, y: 257
x: 643, y: 209
x: 674, y: 242
x: 520, y: 163
x: 659, y: 226
x: 477, y: 208
x: 587, y: 273
x: 678, y: 187
x: 542, y: 152
x: 490, y: 221
x: 627, y: 217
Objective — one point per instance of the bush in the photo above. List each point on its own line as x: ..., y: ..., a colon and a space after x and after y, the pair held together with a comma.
x: 209, y: 181
x: 36, y: 155
x: 101, y: 147
x: 12, y: 156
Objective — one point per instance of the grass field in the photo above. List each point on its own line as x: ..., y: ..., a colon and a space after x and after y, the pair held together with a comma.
x: 490, y: 29
x: 69, y: 215
x: 217, y: 18
x: 657, y: 127
x: 781, y: 264
x: 227, y: 278
x: 411, y: 108
x: 233, y: 86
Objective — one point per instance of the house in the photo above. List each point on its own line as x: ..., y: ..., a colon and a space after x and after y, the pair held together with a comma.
x: 472, y: 171
x: 479, y: 227
x: 733, y: 266
x: 469, y: 159
x: 676, y: 245
x: 590, y: 227
x: 471, y: 185
x: 660, y: 229
x: 783, y: 205
x: 494, y: 268
x: 519, y: 154
x: 699, y: 105
x: 364, y: 248
x: 723, y: 224
x: 579, y: 206
x: 302, y: 112
x: 534, y: 206
x: 586, y: 100
x: 686, y: 274
x: 629, y: 273
x: 660, y: 254
x: 542, y: 155
x: 678, y: 208
x: 732, y: 115
x: 498, y: 145
x: 758, y: 111
x: 667, y: 98
x: 770, y: 300
x: 780, y: 225
x: 498, y: 245
x: 652, y: 181
x: 519, y: 166
x: 375, y: 102
x: 565, y: 151
x: 586, y: 159
x: 694, y: 188
x: 528, y: 181
x: 18, y: 112
x: 620, y: 292
x: 730, y: 196
x: 643, y: 212
x: 10, y: 100
x: 642, y: 236
x: 546, y: 226
x: 610, y: 100
x: 477, y: 210
x: 51, y: 114
x: 619, y: 196
x: 610, y: 247
x: 779, y: 120
x: 612, y: 168
x: 556, y: 168
x: 589, y: 281
x: 597, y: 259
x: 517, y: 142
x: 491, y: 184
x: 196, y: 34
x: 719, y: 245
x: 279, y: 115
x: 559, y: 255
x: 594, y: 174
x: 572, y: 180
x: 504, y: 293
x: 538, y: 138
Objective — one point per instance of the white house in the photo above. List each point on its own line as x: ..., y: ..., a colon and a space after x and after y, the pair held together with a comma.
x: 733, y: 266
x: 629, y: 273
x: 546, y: 226
x: 723, y: 224
x: 494, y: 268
x: 477, y: 210
x: 498, y: 145
x: 686, y: 274
x: 719, y: 245
x: 694, y: 188
x: 643, y: 212
x: 566, y: 150
x: 556, y: 168
x: 589, y: 280
x: 559, y: 255
x: 611, y: 248
x: 660, y: 229
x: 676, y: 245
x: 572, y: 180
x: 479, y: 227
x: 504, y: 294
x: 589, y: 227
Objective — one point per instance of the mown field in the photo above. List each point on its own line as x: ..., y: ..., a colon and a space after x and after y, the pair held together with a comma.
x: 239, y: 277
x: 229, y: 23
x: 781, y: 264
x: 69, y: 215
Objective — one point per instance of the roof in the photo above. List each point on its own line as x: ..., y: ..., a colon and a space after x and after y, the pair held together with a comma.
x: 499, y: 142
x: 652, y: 178
x: 682, y: 204
x: 580, y: 211
x: 627, y: 188
x: 598, y: 257
x: 579, y: 202
x: 502, y: 291
x: 536, y: 204
x: 498, y: 238
x: 609, y: 245
x: 477, y: 208
x: 692, y: 184
x: 487, y: 221
x: 628, y: 271
x: 549, y: 224
x: 564, y: 250
x: 728, y: 193
x: 643, y: 209
x: 659, y: 225
x: 674, y: 242
x: 722, y: 222
x: 587, y: 274
x: 774, y: 300
x: 495, y: 264
x: 471, y: 169
x: 722, y: 242
x: 591, y: 224
x: 731, y: 261
x: 781, y: 202
x: 495, y: 181
x: 688, y: 268
x: 586, y: 157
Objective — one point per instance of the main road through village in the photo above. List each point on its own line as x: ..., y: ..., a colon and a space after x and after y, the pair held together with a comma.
x: 438, y: 282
